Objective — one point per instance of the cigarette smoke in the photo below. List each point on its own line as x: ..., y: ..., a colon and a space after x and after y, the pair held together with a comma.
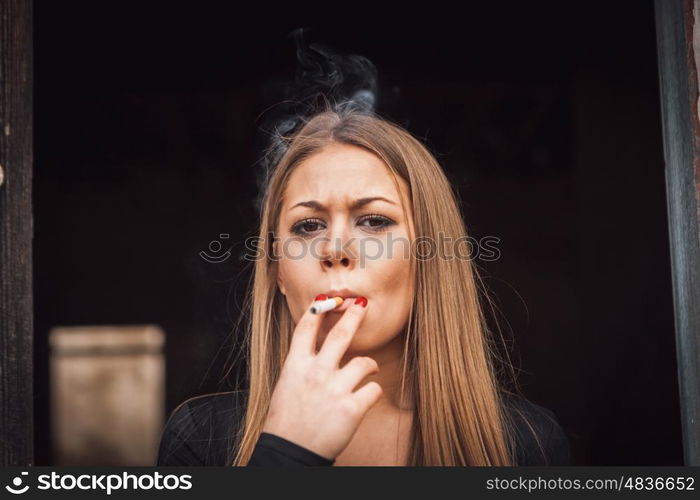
x: 346, y: 82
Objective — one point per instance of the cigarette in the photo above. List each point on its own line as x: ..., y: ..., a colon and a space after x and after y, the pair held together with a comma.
x: 326, y: 305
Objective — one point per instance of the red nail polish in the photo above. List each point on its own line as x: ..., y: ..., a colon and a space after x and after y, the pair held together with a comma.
x: 321, y: 297
x: 361, y: 300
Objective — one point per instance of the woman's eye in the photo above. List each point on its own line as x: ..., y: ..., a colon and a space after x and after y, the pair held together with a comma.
x: 377, y: 222
x: 310, y: 226
x: 305, y: 227
x: 371, y: 222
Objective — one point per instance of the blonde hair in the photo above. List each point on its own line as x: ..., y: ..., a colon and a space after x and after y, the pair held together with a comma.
x: 449, y: 371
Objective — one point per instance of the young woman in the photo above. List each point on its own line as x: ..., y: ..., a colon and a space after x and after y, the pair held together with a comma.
x: 404, y: 372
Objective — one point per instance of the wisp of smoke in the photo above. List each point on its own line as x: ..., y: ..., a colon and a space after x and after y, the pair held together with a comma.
x: 322, y: 77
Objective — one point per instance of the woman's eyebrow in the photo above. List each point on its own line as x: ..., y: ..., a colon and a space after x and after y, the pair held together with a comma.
x: 359, y: 203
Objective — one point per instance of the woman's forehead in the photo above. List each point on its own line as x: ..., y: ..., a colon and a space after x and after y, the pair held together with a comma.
x: 341, y: 175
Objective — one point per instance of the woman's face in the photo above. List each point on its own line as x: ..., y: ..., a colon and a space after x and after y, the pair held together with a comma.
x: 327, y: 241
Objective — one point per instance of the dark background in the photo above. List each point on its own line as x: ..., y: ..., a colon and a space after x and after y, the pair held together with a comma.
x: 545, y: 116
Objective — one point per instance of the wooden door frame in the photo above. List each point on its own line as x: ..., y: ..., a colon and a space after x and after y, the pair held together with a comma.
x: 16, y: 233
x: 676, y: 30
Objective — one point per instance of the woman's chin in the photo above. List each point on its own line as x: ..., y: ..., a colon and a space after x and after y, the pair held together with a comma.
x: 359, y: 342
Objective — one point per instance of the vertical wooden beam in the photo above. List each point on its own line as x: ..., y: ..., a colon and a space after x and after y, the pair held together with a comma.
x: 16, y: 305
x: 677, y: 32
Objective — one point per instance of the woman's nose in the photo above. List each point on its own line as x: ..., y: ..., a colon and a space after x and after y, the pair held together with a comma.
x: 338, y: 255
x: 339, y: 252
x: 339, y: 262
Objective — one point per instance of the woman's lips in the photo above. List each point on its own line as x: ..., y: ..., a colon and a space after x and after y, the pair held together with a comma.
x: 342, y: 307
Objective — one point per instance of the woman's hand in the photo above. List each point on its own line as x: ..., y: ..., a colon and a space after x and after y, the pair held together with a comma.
x: 313, y: 404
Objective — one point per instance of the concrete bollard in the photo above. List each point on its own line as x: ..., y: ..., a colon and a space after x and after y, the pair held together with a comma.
x: 107, y: 394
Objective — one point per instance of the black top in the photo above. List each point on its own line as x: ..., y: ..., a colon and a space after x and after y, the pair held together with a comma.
x: 201, y: 431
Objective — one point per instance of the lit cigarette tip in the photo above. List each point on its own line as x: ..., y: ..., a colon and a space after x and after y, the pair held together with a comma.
x: 326, y: 305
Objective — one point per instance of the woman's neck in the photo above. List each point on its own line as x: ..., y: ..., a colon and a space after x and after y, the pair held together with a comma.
x: 385, y: 433
x: 390, y: 360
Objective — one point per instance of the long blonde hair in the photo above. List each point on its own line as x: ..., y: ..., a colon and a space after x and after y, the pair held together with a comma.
x: 449, y: 366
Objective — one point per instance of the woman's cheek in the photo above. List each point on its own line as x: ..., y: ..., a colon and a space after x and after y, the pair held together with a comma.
x: 400, y: 248
x: 371, y: 250
x: 372, y: 333
x: 294, y: 250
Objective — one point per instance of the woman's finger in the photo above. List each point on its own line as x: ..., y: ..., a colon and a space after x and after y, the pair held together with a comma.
x: 355, y: 371
x: 305, y: 333
x: 367, y: 395
x: 341, y: 335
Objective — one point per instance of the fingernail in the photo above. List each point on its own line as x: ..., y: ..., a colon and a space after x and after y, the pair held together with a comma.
x: 361, y: 300
x: 321, y: 297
